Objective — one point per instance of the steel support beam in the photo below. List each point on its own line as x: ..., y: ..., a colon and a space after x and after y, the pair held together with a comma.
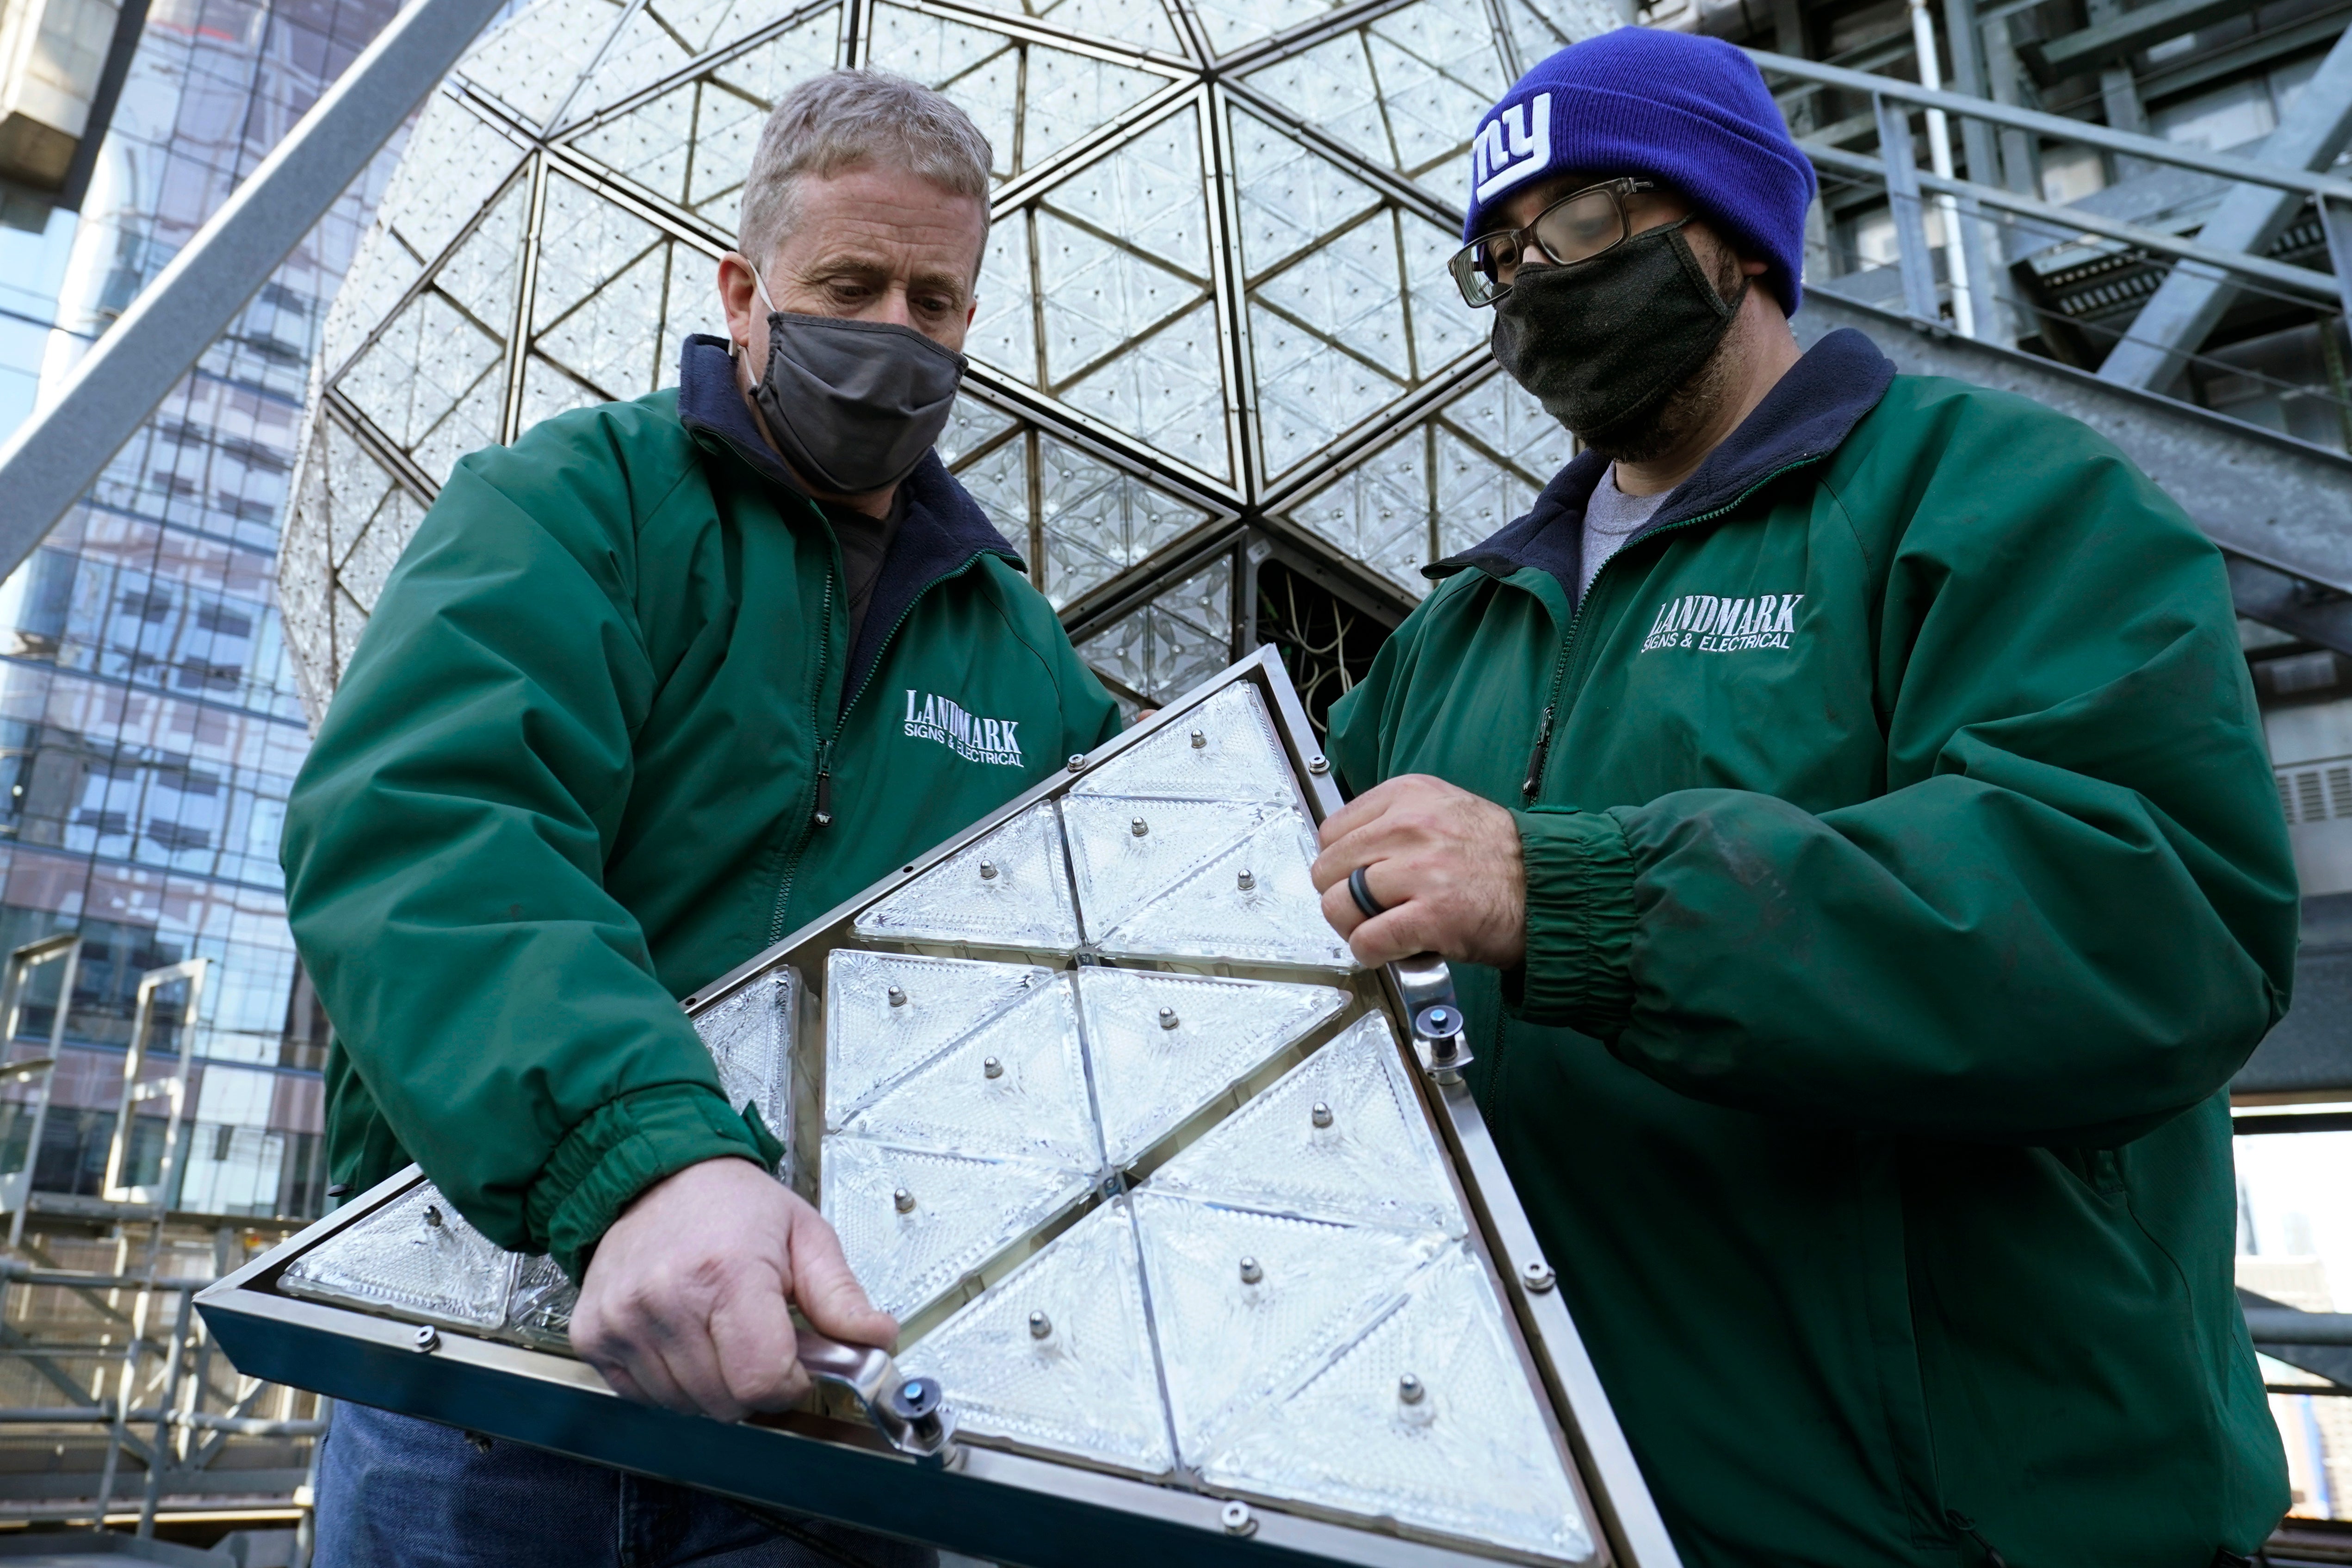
x: 2279, y: 508
x: 2191, y: 303
x: 57, y: 454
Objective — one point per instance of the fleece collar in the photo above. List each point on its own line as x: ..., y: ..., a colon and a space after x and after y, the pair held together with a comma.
x: 943, y: 532
x: 1804, y: 418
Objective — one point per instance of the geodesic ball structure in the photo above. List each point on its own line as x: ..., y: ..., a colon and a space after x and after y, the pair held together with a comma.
x: 1213, y: 301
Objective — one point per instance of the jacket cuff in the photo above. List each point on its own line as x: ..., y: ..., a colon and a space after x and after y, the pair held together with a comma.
x: 626, y: 1146
x: 1577, y: 969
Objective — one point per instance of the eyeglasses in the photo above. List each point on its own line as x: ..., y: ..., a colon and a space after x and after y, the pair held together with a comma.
x: 1577, y: 227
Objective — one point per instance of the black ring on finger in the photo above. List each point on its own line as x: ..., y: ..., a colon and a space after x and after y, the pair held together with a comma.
x: 1361, y: 889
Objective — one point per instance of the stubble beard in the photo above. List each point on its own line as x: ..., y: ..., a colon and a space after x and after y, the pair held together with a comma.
x: 1692, y: 406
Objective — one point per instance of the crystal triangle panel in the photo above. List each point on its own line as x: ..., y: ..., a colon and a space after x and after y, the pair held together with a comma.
x: 481, y: 274
x: 1254, y: 901
x: 1011, y: 888
x: 1339, y: 1138
x: 1274, y: 1295
x: 1165, y: 1046
x: 1099, y: 295
x: 1427, y: 1419
x: 1126, y: 853
x: 749, y: 1034
x: 888, y: 1014
x: 534, y: 62
x: 1224, y: 750
x: 416, y: 1256
x: 1097, y: 519
x: 1014, y: 1089
x: 913, y: 1224
x: 1057, y: 1356
x: 1131, y: 24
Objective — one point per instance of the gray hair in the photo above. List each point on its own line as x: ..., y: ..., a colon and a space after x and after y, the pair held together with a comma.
x: 846, y: 119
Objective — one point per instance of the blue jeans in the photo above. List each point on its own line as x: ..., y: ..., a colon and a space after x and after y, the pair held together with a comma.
x: 398, y: 1492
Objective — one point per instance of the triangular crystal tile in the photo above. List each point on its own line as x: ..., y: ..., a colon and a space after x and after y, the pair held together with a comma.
x: 750, y: 1034
x: 549, y: 390
x: 422, y: 365
x: 971, y: 425
x: 1011, y: 888
x: 470, y: 427
x: 1475, y: 495
x: 1125, y: 853
x: 363, y: 572
x: 1232, y: 24
x: 1097, y: 519
x: 1246, y: 1304
x: 1290, y: 196
x: 1015, y: 1089
x: 454, y: 160
x: 1331, y: 87
x: 1222, y: 750
x: 1057, y: 1355
x: 912, y: 1223
x: 1099, y: 295
x: 1173, y: 643
x: 1147, y: 194
x: 1003, y: 333
x: 588, y: 244
x: 1067, y: 95
x: 540, y: 1310
x: 1471, y: 1457
x: 481, y: 274
x: 1254, y: 901
x: 609, y: 338
x: 978, y: 68
x: 1131, y: 24
x: 1378, y: 512
x: 1308, y: 389
x: 1340, y: 1137
x: 1438, y: 70
x: 660, y: 39
x: 766, y: 72
x: 999, y: 481
x: 356, y: 485
x: 534, y: 62
x: 415, y: 1256
x: 651, y: 144
x: 871, y: 1040
x: 1167, y: 390
x: 1499, y: 415
x: 1165, y: 1046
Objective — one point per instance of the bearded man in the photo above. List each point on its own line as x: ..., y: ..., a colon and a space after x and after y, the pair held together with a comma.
x: 1843, y: 799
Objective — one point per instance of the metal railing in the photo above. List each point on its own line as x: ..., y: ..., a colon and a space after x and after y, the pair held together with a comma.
x: 1897, y: 168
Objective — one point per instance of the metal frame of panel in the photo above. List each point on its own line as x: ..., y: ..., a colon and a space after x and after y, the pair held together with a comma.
x: 992, y: 1501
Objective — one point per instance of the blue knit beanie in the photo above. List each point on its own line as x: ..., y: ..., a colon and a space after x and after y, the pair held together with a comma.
x: 1690, y: 113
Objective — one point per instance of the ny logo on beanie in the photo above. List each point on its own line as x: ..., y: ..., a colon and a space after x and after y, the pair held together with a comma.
x: 1500, y: 163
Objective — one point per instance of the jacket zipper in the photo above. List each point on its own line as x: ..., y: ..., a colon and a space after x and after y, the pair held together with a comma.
x: 1542, y: 756
x: 1542, y: 752
x: 821, y: 810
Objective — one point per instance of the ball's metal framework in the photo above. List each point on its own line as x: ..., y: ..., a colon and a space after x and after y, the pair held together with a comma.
x: 1214, y: 326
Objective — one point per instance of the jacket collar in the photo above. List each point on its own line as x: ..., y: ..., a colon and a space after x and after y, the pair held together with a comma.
x: 943, y: 531
x: 1804, y: 418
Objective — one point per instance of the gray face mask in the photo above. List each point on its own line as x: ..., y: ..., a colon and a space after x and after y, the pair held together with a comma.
x: 852, y: 405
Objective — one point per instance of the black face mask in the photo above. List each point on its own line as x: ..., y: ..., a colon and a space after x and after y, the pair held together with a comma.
x: 1601, y: 343
x: 854, y: 406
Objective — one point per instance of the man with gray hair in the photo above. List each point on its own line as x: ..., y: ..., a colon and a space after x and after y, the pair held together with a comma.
x: 639, y: 700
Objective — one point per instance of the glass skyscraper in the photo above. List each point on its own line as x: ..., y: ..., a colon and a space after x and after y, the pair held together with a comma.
x: 148, y: 721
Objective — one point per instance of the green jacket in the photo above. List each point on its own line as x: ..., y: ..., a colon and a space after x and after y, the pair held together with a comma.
x: 1904, y: 882
x: 574, y: 771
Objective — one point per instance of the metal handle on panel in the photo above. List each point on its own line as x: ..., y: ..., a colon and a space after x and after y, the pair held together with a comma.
x: 1427, y: 987
x: 911, y: 1412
